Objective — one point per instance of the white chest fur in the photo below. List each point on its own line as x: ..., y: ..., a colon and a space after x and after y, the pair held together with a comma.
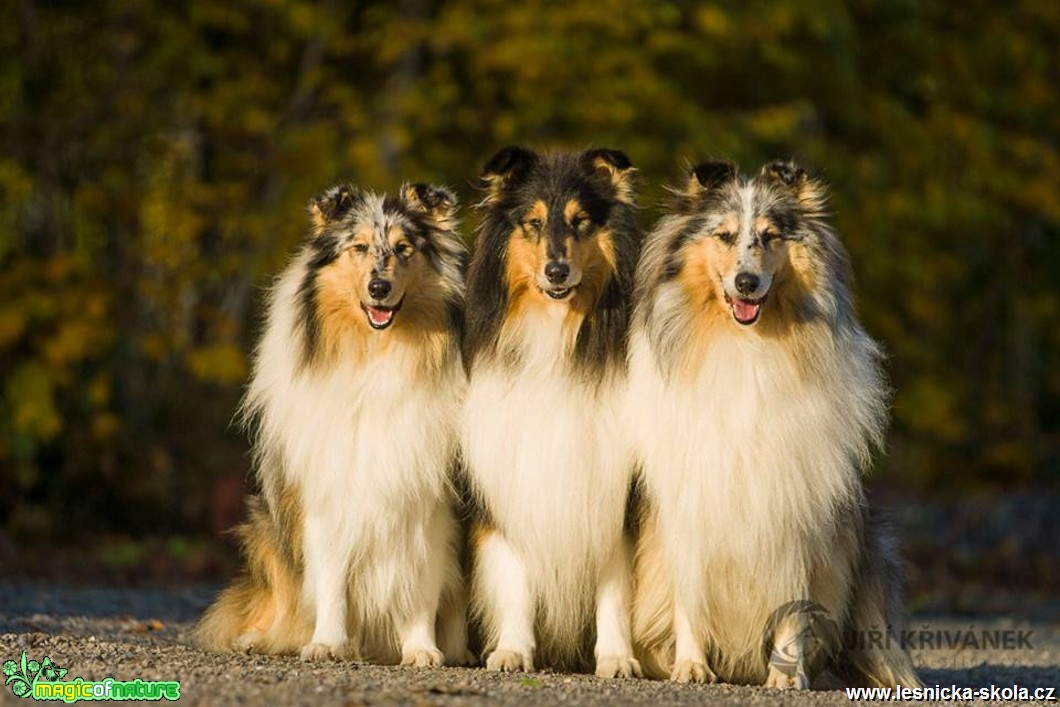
x: 369, y: 437
x: 548, y: 456
x: 746, y: 462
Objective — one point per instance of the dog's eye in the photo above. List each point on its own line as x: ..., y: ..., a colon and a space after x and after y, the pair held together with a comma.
x: 726, y: 237
x: 580, y: 224
x: 534, y: 224
x: 404, y: 250
x: 769, y: 236
x: 361, y: 248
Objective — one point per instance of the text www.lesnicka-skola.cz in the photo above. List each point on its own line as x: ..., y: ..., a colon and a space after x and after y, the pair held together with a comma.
x: 952, y: 692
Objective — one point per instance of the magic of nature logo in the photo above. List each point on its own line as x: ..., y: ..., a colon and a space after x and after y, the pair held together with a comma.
x: 43, y: 680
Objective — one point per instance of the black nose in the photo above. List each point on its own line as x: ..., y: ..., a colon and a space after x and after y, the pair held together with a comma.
x: 746, y: 283
x: 557, y: 272
x: 378, y: 288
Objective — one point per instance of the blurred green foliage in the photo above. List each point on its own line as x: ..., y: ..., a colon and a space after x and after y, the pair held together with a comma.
x: 157, y: 158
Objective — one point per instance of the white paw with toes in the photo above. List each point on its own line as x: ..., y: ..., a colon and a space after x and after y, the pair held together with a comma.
x: 321, y: 651
x: 686, y: 671
x: 783, y: 681
x: 422, y: 658
x: 618, y: 666
x: 507, y: 661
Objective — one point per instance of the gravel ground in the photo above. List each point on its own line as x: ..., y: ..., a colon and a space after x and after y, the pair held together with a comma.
x: 138, y: 633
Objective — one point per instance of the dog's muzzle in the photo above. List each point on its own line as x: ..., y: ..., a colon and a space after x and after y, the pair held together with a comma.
x: 557, y: 273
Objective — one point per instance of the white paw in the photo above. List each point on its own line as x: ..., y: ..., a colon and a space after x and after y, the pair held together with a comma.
x: 321, y: 651
x: 422, y: 658
x: 783, y: 681
x: 686, y: 671
x: 246, y: 642
x: 618, y: 666
x: 507, y: 661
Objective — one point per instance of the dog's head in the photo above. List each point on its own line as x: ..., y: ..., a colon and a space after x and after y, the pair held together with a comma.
x: 556, y: 211
x: 742, y: 234
x: 378, y: 260
x: 558, y: 236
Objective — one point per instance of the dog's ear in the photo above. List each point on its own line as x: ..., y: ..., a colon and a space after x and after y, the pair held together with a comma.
x: 505, y: 170
x: 331, y: 205
x: 788, y: 173
x: 710, y: 175
x: 810, y: 193
x: 438, y: 203
x: 702, y: 179
x: 616, y: 166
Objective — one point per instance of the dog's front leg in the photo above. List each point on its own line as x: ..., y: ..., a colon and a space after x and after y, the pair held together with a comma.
x: 325, y: 590
x: 419, y: 648
x: 690, y: 664
x: 614, y: 650
x: 505, y: 591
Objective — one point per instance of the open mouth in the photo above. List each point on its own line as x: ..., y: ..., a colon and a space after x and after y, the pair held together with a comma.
x: 381, y: 317
x: 560, y: 293
x: 745, y: 311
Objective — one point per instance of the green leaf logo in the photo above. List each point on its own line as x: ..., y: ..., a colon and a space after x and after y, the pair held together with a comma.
x: 21, y: 676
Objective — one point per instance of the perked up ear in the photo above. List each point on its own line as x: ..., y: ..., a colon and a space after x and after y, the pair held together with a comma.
x: 505, y: 170
x: 332, y: 205
x: 811, y: 193
x: 618, y: 168
x: 710, y: 175
x: 438, y: 203
x: 789, y: 173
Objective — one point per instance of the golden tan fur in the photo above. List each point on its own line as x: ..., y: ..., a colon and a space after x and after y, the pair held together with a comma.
x: 263, y: 603
x: 527, y: 254
x: 344, y: 331
x: 795, y: 272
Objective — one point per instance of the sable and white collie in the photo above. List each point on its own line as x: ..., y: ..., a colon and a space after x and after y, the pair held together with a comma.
x: 549, y: 290
x: 352, y: 548
x: 756, y: 400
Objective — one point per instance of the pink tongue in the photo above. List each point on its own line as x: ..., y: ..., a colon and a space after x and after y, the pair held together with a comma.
x: 745, y: 311
x: 380, y: 316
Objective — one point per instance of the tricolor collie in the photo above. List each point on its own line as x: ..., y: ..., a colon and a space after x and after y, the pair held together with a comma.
x: 757, y: 399
x: 549, y: 290
x: 352, y: 547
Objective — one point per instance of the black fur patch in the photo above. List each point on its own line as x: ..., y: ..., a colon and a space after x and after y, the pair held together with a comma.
x: 324, y: 251
x: 711, y: 174
x: 702, y: 188
x: 617, y: 158
x: 674, y: 262
x: 511, y: 161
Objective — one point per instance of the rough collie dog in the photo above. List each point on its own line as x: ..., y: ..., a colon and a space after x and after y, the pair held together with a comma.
x: 352, y: 547
x: 549, y: 290
x: 757, y: 399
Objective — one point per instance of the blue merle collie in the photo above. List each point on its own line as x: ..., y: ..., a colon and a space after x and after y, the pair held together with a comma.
x: 352, y: 546
x: 756, y: 400
x: 549, y: 290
